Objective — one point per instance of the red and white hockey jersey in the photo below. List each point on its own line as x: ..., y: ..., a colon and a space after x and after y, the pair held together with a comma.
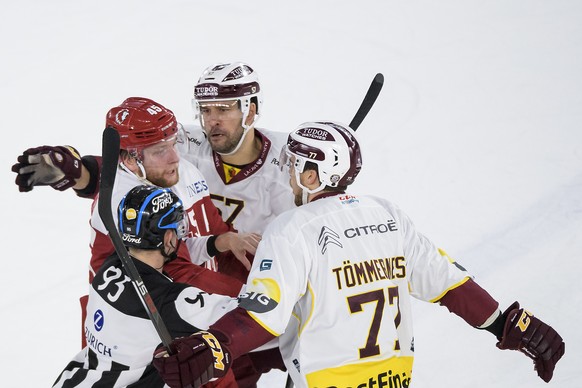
x: 204, y: 220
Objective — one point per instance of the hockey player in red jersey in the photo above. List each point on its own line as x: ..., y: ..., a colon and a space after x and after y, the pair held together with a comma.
x: 148, y: 137
x: 343, y: 263
x: 257, y: 197
x: 121, y: 337
x: 240, y: 164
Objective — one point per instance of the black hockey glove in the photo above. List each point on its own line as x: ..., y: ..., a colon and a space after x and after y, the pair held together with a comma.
x: 195, y: 360
x: 534, y: 338
x: 57, y: 167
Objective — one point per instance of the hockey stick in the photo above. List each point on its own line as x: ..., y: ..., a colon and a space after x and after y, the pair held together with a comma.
x: 365, y: 106
x: 110, y: 154
x: 368, y: 102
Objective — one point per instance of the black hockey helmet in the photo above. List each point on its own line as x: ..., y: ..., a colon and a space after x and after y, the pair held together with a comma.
x: 146, y: 212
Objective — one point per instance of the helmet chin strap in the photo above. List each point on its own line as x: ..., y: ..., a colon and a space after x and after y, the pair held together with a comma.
x: 170, y: 256
x: 304, y: 195
x: 143, y: 176
x: 246, y: 129
x: 306, y: 191
x: 240, y: 142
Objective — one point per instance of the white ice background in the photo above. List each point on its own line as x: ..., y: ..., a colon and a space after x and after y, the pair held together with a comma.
x: 476, y: 135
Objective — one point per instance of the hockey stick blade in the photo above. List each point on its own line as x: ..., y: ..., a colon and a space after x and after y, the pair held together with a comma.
x: 368, y: 102
x: 110, y: 153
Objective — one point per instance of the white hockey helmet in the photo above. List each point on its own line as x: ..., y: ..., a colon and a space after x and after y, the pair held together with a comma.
x: 224, y: 82
x: 332, y: 146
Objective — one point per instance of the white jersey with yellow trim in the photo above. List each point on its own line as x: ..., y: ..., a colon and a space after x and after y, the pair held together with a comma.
x: 344, y: 269
x: 256, y: 194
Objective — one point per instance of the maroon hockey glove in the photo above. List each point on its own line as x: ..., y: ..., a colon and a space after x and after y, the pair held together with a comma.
x: 534, y: 338
x: 195, y: 360
x: 57, y: 167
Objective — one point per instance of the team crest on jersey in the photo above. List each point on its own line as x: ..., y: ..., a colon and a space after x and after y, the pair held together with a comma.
x: 328, y: 237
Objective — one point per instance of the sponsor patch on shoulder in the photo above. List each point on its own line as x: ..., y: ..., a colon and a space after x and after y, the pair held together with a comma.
x: 347, y: 199
x: 266, y: 264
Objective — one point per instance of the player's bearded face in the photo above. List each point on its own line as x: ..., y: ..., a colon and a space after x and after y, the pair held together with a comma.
x: 222, y: 122
x: 161, y: 162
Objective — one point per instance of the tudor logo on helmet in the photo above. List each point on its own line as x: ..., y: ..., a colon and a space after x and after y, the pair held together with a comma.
x: 316, y: 133
x: 205, y: 91
x: 238, y: 72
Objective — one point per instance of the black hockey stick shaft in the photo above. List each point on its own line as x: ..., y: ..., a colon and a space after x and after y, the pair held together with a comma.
x: 109, y: 168
x: 368, y: 102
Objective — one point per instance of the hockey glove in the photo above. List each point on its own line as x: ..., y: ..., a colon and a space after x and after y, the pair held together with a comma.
x: 534, y: 338
x: 57, y: 167
x: 195, y: 360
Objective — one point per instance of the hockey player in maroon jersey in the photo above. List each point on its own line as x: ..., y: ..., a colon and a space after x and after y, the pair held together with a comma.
x: 121, y: 337
x: 342, y: 263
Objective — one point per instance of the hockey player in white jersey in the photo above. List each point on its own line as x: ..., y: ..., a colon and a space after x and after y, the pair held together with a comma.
x: 120, y: 335
x: 241, y: 164
x: 334, y: 278
x: 240, y: 161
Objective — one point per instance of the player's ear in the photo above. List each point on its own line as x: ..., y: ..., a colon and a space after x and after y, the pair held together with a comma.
x: 127, y: 159
x: 252, y: 113
x: 170, y: 241
x: 311, y: 178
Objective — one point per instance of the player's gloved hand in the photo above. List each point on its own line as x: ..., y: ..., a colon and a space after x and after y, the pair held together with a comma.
x: 534, y: 338
x: 41, y: 166
x: 194, y: 361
